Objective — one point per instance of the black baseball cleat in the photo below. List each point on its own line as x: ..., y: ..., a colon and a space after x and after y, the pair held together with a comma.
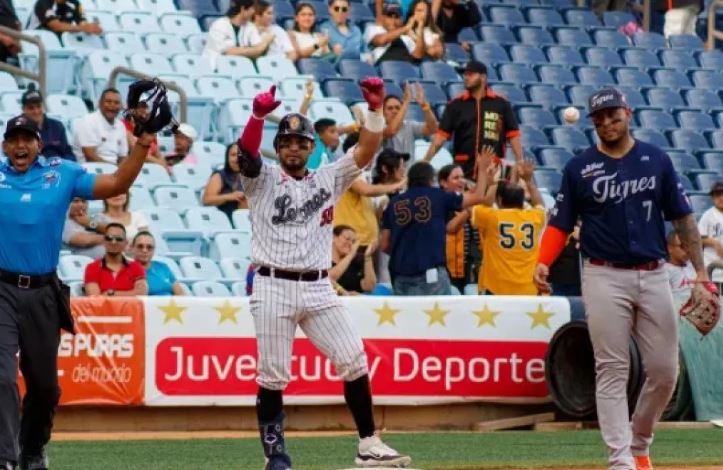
x: 33, y: 462
x: 279, y: 462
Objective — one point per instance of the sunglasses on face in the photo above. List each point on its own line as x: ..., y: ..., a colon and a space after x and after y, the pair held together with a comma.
x: 144, y: 247
x: 111, y: 238
x: 341, y: 9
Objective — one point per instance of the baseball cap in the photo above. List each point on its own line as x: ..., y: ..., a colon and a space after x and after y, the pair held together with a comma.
x: 605, y: 99
x: 31, y: 96
x: 474, y: 66
x: 21, y: 124
x: 187, y: 130
x: 392, y: 9
x: 717, y: 187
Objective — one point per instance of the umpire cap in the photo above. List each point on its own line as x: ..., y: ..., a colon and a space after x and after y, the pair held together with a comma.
x: 295, y: 124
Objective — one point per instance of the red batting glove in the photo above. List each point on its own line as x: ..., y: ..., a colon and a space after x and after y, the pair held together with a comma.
x: 373, y: 91
x: 265, y: 103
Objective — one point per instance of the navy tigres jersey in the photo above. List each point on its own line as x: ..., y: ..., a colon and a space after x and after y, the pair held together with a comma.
x: 622, y: 203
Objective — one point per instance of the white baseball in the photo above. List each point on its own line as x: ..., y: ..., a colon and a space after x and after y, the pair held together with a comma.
x: 571, y: 115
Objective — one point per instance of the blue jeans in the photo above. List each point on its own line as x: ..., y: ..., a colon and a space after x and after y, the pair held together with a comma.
x: 417, y: 284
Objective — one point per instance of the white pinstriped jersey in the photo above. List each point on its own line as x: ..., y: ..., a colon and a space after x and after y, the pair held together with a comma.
x: 292, y: 220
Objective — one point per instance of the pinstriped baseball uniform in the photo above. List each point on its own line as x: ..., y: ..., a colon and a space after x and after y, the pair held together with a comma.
x: 291, y: 226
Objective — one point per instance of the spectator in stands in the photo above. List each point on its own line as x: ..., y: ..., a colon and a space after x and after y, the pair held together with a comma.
x: 61, y: 16
x: 454, y: 15
x: 423, y: 22
x: 478, y: 117
x: 510, y: 234
x: 710, y: 226
x: 235, y: 34
x: 114, y: 274
x: 182, y: 144
x: 81, y: 233
x: 159, y: 276
x: 389, y: 40
x: 55, y: 141
x: 414, y: 228
x: 307, y: 41
x: 129, y: 122
x: 224, y: 188
x: 352, y: 267
x: 680, y: 270
x: 326, y: 143
x: 463, y: 257
x: 345, y: 38
x: 400, y: 132
x: 9, y: 46
x: 680, y: 15
x: 100, y: 136
x: 115, y: 209
x: 565, y: 271
x: 264, y: 22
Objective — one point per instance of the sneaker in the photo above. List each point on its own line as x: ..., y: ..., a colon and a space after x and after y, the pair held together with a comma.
x: 34, y: 462
x: 374, y: 453
x: 642, y: 462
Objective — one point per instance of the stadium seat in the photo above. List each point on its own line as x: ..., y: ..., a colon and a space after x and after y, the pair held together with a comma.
x: 651, y: 136
x: 72, y: 267
x: 99, y: 168
x: 116, y: 6
x: 705, y: 100
x: 96, y: 69
x: 157, y: 7
x: 517, y: 73
x: 441, y: 158
x: 190, y: 65
x: 712, y: 59
x: 527, y: 54
x: 152, y: 174
x: 505, y: 15
x: 276, y: 66
x: 236, y: 243
x: 294, y: 88
x: 165, y: 43
x: 171, y: 263
x: 360, y: 13
x: 496, y: 34
x: 454, y: 53
x: 238, y: 289
x: 536, y: 117
x: 665, y: 98
x: 180, y: 24
x: 175, y: 197
x: 77, y: 288
x: 554, y: 157
x: 209, y: 289
x: 564, y: 55
x: 236, y: 66
x: 320, y: 69
x: 468, y: 35
x: 716, y: 138
x: 581, y: 17
x: 210, y: 153
x: 683, y: 162
x: 633, y: 78
x: 708, y: 79
x: 654, y: 119
x: 603, y: 57
x: 152, y: 62
x: 544, y: 17
x: 123, y: 42
x: 346, y: 89
x: 138, y: 22
x: 221, y: 88
x: 535, y: 36
x: 196, y: 43
x: 695, y: 120
x: 570, y: 138
x: 640, y: 58
x: 533, y: 137
x: 549, y: 179
x: 633, y: 96
x: 241, y: 220
x: 671, y: 79
x: 357, y: 69
x: 713, y: 161
x: 399, y: 71
x: 60, y: 64
x: 234, y: 267
x: 678, y: 59
x: 700, y: 202
x: 705, y: 181
x: 82, y: 43
x: 68, y: 106
x: 557, y: 75
x: 490, y: 53
x: 595, y: 76
x: 617, y: 18
x: 208, y: 220
x: 572, y: 37
x: 326, y: 108
x: 140, y: 198
x: 253, y: 85
x: 610, y: 39
x: 649, y: 40
x: 547, y: 95
x: 8, y: 83
x: 688, y: 140
x: 10, y: 102
x: 439, y: 72
x: 106, y: 19
x: 686, y: 42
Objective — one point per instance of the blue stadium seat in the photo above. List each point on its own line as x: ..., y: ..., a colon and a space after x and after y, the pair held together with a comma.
x: 295, y: 88
x: 544, y: 17
x: 617, y: 18
x: 678, y: 59
x: 233, y: 116
x: 550, y: 179
x: 157, y: 7
x: 455, y: 53
x: 190, y: 65
x: 711, y: 59
x: 82, y: 43
x: 665, y: 98
x: 651, y: 136
x: 360, y: 13
x: 595, y: 76
x: 517, y: 73
x: 234, y: 268
x: 505, y: 15
x: 440, y: 72
x: 602, y: 57
x: 555, y: 157
x: 72, y: 267
x: 241, y: 220
x: 208, y: 220
x: 497, y: 34
x: 512, y: 93
x: 467, y: 35
x: 96, y: 69
x: 221, y: 88
x: 276, y: 66
x: 433, y: 93
x: 194, y: 176
x: 392, y: 88
x: 455, y: 89
x: 196, y: 43
x: 610, y: 39
x: 61, y: 63
x: 548, y: 96
x: 209, y: 289
x: 633, y: 78
x: 688, y: 140
x: 320, y: 69
x: 705, y: 100
x: 164, y: 43
x: 147, y: 61
x: 695, y: 120
x: 536, y: 117
x: 565, y: 55
x: 686, y: 182
x: 123, y: 42
x: 345, y: 89
x: 527, y: 54
x: 716, y: 138
x: 671, y: 79
x: 106, y: 19
x: 557, y: 75
x: 399, y: 71
x: 708, y: 79
x: 573, y: 37
x: 700, y: 202
x: 210, y: 153
x: 532, y: 137
x: 535, y: 36
x: 705, y: 181
x: 570, y: 138
x: 641, y: 58
x: 175, y: 197
x: 138, y: 22
x: 686, y: 42
x: 358, y: 69
x: 683, y: 162
x: 162, y: 218
x: 649, y: 40
x: 713, y: 161
x: 579, y: 94
x: 235, y: 242
x: 326, y: 108
x: 140, y: 198
x: 581, y: 17
x: 237, y: 67
x: 490, y: 53
x: 654, y: 119
x: 252, y: 86
x: 179, y: 23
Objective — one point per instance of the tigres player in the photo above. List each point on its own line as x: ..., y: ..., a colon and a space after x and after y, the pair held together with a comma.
x: 292, y: 210
x: 509, y: 236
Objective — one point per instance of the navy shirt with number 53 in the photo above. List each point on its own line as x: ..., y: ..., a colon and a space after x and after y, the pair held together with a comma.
x: 622, y: 203
x: 417, y: 220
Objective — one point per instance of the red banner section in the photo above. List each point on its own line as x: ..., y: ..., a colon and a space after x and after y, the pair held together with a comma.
x: 195, y: 366
x: 104, y: 362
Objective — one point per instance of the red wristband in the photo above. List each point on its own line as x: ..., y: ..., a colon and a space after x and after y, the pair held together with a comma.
x: 250, y: 140
x: 552, y: 243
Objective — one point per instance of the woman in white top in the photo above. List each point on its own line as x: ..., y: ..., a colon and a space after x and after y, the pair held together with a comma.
x: 421, y: 18
x: 115, y: 209
x: 264, y: 21
x: 306, y: 40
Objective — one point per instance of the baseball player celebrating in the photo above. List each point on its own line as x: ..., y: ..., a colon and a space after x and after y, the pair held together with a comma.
x: 622, y: 189
x: 292, y: 210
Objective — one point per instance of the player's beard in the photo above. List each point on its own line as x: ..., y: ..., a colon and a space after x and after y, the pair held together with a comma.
x: 298, y: 164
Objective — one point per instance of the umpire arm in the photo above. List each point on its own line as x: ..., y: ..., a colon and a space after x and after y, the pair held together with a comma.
x: 119, y: 182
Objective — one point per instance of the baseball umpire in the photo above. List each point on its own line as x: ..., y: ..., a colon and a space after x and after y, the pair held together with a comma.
x: 622, y: 189
x: 35, y: 194
x: 291, y: 210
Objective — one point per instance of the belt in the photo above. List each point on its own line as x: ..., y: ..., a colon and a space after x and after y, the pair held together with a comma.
x: 649, y: 266
x: 24, y: 281
x: 292, y: 275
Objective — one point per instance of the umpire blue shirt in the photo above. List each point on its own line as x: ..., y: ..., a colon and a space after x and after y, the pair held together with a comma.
x: 622, y: 202
x: 55, y: 141
x: 33, y: 206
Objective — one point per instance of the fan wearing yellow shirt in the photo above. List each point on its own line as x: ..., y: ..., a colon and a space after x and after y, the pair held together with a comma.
x: 510, y: 236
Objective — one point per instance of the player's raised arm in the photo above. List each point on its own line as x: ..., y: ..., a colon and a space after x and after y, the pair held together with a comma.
x: 159, y: 117
x: 370, y: 136
x: 250, y: 141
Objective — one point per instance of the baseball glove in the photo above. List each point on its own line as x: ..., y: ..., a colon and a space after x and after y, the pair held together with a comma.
x: 159, y: 111
x: 703, y: 307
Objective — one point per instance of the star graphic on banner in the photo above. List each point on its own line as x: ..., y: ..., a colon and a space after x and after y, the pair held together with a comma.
x: 540, y: 317
x: 436, y: 315
x: 227, y: 312
x: 172, y: 311
x: 386, y: 314
x: 486, y: 316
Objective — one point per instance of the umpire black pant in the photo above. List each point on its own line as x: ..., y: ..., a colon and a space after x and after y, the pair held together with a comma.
x: 29, y: 322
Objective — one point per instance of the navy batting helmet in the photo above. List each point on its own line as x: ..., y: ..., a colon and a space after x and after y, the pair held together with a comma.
x: 295, y: 124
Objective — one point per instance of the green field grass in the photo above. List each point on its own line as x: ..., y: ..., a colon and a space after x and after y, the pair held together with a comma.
x: 429, y: 451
